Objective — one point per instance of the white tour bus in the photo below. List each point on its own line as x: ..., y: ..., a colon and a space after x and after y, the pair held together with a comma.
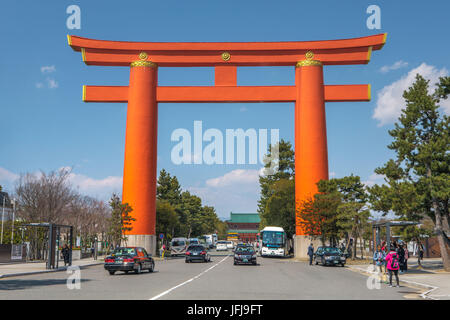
x: 273, y: 242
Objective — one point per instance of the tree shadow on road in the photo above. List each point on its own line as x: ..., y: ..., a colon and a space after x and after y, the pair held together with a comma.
x: 19, y: 284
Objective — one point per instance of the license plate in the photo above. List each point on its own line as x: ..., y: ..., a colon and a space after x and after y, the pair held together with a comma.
x: 335, y: 261
x: 118, y: 261
x: 194, y: 254
x: 245, y: 260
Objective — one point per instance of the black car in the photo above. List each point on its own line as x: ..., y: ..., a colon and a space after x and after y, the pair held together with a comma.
x: 244, y: 255
x: 329, y: 256
x: 197, y: 252
x: 129, y: 259
x: 243, y: 245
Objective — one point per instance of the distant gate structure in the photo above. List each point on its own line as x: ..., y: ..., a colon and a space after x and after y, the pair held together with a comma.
x: 143, y: 95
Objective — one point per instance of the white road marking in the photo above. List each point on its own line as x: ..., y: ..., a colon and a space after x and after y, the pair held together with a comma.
x: 187, y: 281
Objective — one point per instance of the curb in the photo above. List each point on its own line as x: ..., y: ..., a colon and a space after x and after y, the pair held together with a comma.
x: 424, y: 295
x: 8, y: 275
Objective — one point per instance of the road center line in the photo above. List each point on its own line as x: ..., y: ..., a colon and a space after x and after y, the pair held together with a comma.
x: 187, y: 281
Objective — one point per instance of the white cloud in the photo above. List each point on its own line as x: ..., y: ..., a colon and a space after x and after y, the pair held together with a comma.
x: 395, y: 66
x: 240, y: 176
x: 7, y: 179
x: 236, y: 191
x: 99, y: 188
x: 48, y: 69
x: 373, y: 179
x: 390, y: 99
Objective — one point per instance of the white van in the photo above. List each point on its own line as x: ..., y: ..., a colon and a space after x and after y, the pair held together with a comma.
x: 221, y: 246
x: 178, y: 246
x: 230, y: 245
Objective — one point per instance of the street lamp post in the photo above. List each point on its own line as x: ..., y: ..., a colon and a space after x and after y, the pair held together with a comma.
x: 14, y: 216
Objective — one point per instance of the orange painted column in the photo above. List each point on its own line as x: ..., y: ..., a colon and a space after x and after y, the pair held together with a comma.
x: 311, y: 155
x: 139, y: 177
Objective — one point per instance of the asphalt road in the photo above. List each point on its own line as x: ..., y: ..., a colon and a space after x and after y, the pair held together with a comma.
x: 271, y: 279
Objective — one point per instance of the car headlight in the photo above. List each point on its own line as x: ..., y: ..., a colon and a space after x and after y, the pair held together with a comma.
x: 236, y: 256
x: 327, y: 258
x: 342, y: 258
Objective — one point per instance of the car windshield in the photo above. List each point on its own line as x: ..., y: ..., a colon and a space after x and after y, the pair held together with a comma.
x: 178, y: 243
x: 221, y: 242
x: 196, y: 248
x: 245, y: 249
x: 273, y: 237
x: 332, y: 250
x: 124, y: 251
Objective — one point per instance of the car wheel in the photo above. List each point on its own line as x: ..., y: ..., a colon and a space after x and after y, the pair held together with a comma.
x: 152, y: 267
x: 139, y: 269
x: 126, y: 271
x: 111, y: 272
x: 342, y: 264
x: 235, y: 263
x: 317, y: 262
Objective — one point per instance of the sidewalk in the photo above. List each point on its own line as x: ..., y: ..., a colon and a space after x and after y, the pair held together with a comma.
x: 20, y: 269
x: 434, y: 282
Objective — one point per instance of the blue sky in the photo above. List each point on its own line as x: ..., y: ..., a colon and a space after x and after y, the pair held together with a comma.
x: 46, y: 126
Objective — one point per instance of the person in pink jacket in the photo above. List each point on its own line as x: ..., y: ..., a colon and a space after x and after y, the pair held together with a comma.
x: 392, y: 265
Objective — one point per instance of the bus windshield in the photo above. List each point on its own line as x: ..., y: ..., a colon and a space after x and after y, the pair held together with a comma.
x: 273, y: 237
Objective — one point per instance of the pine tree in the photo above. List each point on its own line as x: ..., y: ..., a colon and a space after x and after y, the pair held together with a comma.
x: 418, y: 179
x: 120, y: 221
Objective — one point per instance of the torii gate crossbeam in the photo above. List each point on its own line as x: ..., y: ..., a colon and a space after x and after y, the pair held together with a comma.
x: 143, y: 95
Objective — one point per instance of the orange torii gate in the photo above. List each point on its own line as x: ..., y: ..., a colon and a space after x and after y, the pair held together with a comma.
x: 143, y: 95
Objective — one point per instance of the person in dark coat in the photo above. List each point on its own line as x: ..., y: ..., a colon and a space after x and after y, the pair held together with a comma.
x: 310, y: 253
x: 401, y: 257
x: 66, y: 254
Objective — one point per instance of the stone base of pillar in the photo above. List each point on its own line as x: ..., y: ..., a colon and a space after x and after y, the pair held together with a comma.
x: 301, y: 244
x: 146, y: 241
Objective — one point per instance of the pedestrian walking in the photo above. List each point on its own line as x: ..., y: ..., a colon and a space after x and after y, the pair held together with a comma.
x: 405, y: 267
x: 392, y: 266
x: 378, y: 258
x: 66, y: 254
x: 310, y: 253
x: 401, y: 257
x: 420, y: 253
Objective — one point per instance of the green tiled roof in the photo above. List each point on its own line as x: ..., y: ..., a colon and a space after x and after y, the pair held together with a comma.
x: 244, y: 218
x: 243, y: 230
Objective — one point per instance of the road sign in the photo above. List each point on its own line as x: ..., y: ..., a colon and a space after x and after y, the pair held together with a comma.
x: 161, y: 236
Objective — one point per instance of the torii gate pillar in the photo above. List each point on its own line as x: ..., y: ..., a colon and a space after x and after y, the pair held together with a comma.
x: 139, y: 177
x: 311, y: 155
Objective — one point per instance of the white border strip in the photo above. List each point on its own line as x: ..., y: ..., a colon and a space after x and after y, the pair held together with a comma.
x: 187, y: 281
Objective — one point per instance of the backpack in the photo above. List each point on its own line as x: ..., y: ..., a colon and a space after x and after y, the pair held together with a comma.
x: 394, y: 261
